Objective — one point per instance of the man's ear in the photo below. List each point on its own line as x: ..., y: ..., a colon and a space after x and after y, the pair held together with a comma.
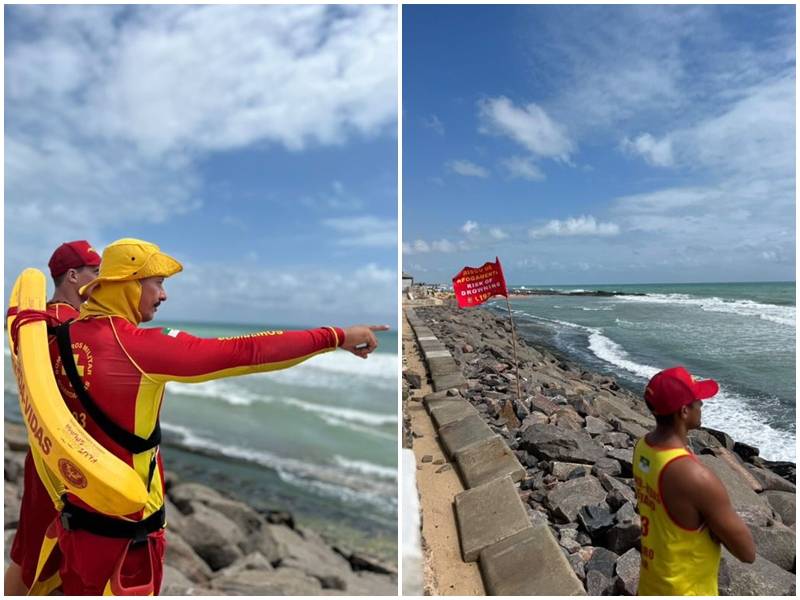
x: 72, y: 275
x: 684, y: 411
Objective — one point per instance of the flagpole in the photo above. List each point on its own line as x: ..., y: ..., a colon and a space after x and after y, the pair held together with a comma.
x: 514, y: 346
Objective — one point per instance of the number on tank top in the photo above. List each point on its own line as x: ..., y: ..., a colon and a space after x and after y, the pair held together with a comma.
x: 645, y: 526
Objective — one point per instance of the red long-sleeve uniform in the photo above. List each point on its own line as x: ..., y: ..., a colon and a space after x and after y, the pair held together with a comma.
x: 125, y: 369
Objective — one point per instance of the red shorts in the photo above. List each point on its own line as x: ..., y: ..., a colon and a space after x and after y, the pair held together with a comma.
x: 35, y: 515
x: 88, y: 561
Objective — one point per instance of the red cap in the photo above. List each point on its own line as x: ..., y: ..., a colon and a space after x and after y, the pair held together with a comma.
x: 73, y: 255
x: 674, y: 388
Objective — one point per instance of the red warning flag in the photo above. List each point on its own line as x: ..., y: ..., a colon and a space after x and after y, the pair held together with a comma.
x: 475, y: 285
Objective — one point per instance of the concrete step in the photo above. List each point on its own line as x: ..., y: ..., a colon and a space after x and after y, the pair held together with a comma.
x: 487, y: 460
x: 488, y: 514
x: 451, y: 411
x: 461, y: 434
x: 528, y: 563
x: 445, y: 382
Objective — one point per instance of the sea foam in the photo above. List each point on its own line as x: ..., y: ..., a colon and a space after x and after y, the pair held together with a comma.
x: 782, y: 315
x: 343, y: 478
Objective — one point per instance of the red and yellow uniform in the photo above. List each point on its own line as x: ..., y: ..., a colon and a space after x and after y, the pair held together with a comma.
x: 37, y: 509
x: 125, y: 369
x: 676, y: 561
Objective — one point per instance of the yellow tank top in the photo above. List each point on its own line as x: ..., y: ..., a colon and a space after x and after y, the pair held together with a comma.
x: 675, y: 561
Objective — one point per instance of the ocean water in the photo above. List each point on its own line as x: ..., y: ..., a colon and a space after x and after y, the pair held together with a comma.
x: 741, y: 334
x: 319, y: 439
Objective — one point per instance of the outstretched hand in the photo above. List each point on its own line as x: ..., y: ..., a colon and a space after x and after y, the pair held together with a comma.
x: 360, y: 340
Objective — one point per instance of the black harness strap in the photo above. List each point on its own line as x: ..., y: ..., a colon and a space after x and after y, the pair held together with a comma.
x: 130, y: 441
x: 75, y: 518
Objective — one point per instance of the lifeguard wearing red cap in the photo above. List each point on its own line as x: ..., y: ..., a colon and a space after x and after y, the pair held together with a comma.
x: 671, y: 389
x: 72, y: 255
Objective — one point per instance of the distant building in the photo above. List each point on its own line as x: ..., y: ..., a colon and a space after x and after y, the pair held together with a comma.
x: 408, y: 281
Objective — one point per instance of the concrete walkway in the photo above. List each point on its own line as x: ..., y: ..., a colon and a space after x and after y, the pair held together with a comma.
x: 516, y: 558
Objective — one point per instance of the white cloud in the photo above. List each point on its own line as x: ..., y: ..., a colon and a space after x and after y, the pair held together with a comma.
x: 469, y: 227
x: 248, y: 294
x: 570, y: 227
x: 108, y: 108
x: 365, y: 230
x: 443, y: 246
x: 169, y: 76
x: 529, y: 126
x: 656, y: 152
x: 524, y: 168
x: 467, y: 168
x: 423, y: 247
x: 498, y: 233
x: 435, y: 123
x: 667, y: 200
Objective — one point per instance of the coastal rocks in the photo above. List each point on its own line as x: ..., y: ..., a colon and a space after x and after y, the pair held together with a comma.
x: 776, y: 543
x: 214, y: 537
x: 762, y: 578
x: 566, y: 499
x: 754, y: 508
x: 576, y: 435
x: 310, y: 555
x: 549, y: 442
x: 628, y: 572
x: 783, y: 503
x: 182, y: 557
x: 771, y: 481
x: 218, y: 545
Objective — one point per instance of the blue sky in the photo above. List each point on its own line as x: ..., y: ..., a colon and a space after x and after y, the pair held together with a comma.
x: 597, y: 144
x: 256, y: 144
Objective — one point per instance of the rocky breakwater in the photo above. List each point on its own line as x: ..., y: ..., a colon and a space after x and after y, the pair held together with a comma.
x: 217, y: 545
x: 574, y: 433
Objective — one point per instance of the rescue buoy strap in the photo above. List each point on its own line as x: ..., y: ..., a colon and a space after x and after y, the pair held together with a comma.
x: 75, y: 518
x: 130, y: 441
